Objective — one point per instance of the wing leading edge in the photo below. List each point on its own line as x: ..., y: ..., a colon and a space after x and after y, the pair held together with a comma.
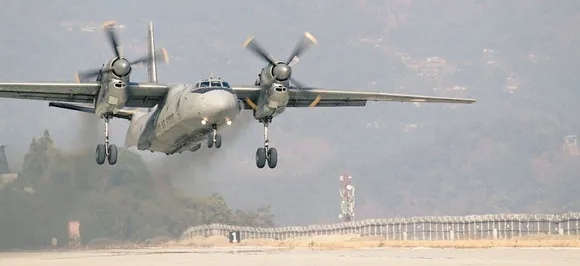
x: 142, y: 95
x: 315, y: 97
x: 123, y: 114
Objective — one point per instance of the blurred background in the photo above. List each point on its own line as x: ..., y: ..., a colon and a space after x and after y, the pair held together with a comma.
x: 513, y: 151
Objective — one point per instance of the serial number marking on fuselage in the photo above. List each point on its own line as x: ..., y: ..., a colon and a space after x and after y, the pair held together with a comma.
x: 166, y: 121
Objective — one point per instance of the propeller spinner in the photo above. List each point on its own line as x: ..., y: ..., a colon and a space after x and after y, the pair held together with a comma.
x: 120, y: 66
x: 282, y: 70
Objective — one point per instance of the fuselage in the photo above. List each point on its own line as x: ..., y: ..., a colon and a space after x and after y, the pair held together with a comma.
x: 185, y: 118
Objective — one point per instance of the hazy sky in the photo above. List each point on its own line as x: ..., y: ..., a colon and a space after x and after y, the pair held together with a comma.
x: 315, y: 145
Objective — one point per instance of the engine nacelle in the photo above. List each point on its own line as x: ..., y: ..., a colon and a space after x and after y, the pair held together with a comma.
x: 112, y: 97
x: 273, y: 102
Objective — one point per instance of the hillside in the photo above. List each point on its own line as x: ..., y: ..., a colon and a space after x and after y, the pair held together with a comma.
x: 503, y: 154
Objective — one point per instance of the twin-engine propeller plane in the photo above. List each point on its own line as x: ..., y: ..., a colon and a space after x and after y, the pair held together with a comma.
x: 182, y: 116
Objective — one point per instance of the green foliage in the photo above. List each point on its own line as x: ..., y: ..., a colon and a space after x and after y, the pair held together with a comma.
x: 123, y: 202
x: 260, y: 217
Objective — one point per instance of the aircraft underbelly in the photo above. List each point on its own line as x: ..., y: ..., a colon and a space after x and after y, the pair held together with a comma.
x: 184, y: 133
x: 213, y: 108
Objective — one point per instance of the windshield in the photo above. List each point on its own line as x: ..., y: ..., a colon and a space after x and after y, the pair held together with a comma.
x: 204, y: 84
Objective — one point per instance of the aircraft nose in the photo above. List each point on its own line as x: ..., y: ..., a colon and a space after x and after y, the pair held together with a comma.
x: 220, y: 106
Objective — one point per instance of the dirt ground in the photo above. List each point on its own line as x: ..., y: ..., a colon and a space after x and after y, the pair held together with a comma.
x: 247, y: 255
x: 354, y: 241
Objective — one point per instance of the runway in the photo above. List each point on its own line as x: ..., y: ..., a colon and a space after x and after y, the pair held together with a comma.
x: 272, y: 256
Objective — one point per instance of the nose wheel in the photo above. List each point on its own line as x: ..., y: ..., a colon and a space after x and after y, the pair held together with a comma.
x: 214, y: 138
x: 107, y: 150
x: 266, y: 154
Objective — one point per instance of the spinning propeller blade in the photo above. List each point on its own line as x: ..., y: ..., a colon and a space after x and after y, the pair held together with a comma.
x: 121, y: 67
x: 283, y: 70
x: 253, y: 45
x: 302, y: 46
x: 112, y: 36
x: 251, y: 103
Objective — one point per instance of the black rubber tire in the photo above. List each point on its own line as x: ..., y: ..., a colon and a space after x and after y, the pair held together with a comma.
x: 218, y: 141
x: 113, y: 153
x: 261, y: 158
x: 272, y: 158
x: 209, y: 141
x: 101, y: 154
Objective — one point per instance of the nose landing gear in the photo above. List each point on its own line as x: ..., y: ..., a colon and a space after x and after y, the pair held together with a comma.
x: 214, y: 138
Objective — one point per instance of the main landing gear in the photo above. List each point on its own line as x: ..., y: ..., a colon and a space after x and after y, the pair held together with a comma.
x: 266, y: 154
x: 214, y: 138
x: 106, y: 151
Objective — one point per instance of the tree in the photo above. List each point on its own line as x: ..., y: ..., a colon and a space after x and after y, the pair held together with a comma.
x: 261, y: 217
x: 120, y: 202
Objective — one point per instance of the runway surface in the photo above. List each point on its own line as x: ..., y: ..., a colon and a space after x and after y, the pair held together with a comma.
x: 272, y: 256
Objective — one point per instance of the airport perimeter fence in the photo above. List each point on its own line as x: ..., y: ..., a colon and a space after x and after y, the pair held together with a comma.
x: 500, y: 226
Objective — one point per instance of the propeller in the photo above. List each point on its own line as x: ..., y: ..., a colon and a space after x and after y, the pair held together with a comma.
x: 282, y: 70
x: 121, y: 66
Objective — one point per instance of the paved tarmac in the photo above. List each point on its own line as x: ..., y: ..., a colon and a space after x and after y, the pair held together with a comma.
x: 271, y: 256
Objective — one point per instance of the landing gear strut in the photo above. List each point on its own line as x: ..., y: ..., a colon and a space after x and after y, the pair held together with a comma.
x: 106, y: 151
x: 214, y: 138
x: 266, y: 154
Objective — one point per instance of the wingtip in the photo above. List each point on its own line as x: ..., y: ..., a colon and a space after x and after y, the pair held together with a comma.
x: 165, y: 55
x: 109, y: 23
x: 311, y: 37
x: 248, y: 40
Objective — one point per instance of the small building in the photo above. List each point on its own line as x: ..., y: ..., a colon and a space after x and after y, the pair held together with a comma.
x: 6, y: 177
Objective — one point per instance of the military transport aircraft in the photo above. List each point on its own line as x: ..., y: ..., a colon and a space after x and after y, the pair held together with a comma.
x: 182, y: 116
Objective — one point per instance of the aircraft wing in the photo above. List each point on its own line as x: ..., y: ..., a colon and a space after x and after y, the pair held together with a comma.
x: 315, y: 97
x: 141, y: 95
x: 123, y: 114
x: 146, y: 95
x: 311, y: 97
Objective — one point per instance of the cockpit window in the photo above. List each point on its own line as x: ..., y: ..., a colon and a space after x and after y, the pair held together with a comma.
x: 204, y: 84
x: 225, y: 84
x: 216, y: 84
x: 196, y: 85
